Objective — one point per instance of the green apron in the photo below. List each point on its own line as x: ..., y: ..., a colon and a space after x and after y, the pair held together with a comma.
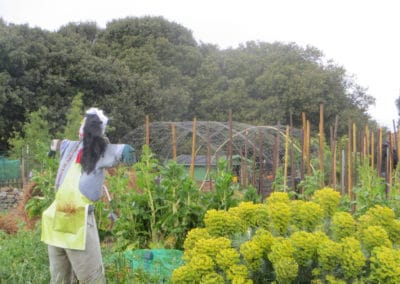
x: 64, y: 222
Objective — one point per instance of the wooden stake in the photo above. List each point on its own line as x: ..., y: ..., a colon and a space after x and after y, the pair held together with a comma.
x: 285, y: 165
x: 194, y: 134
x: 173, y: 129
x: 147, y: 130
x: 321, y: 142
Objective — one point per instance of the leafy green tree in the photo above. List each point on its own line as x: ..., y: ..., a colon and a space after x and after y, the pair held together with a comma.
x: 33, y: 140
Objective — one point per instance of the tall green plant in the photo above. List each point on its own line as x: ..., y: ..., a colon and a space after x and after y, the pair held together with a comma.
x: 370, y: 189
x: 33, y: 140
x: 146, y: 173
x: 223, y: 195
x: 74, y: 118
x: 182, y: 204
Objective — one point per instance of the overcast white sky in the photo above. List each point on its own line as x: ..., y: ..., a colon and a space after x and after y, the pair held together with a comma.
x: 361, y: 35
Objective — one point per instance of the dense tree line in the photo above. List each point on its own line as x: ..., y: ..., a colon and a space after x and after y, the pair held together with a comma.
x: 148, y: 65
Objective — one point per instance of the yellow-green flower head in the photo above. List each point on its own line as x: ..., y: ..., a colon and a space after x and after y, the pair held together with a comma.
x: 282, y: 248
x: 352, y: 259
x: 384, y: 265
x: 343, y: 225
x: 212, y: 278
x: 252, y: 253
x: 381, y: 216
x: 328, y: 254
x: 202, y: 264
x: 328, y: 199
x: 227, y: 257
x: 211, y: 247
x: 279, y: 215
x: 286, y: 269
x: 238, y: 273
x: 306, y: 215
x: 264, y: 239
x: 278, y: 196
x: 251, y: 214
x: 193, y: 236
x: 223, y: 223
x: 375, y: 236
x: 185, y: 274
x: 305, y: 247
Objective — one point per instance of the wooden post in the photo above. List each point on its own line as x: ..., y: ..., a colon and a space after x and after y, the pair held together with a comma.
x: 333, y: 133
x: 286, y: 159
x: 292, y: 169
x: 194, y: 134
x: 261, y: 163
x: 173, y: 129
x: 209, y: 157
x: 349, y: 163
x: 303, y: 139
x: 308, y: 162
x: 379, y: 153
x: 372, y: 150
x: 321, y: 143
x: 147, y: 130
x: 230, y: 145
x: 245, y: 158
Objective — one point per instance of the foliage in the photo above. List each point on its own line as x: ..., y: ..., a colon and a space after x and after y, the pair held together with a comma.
x: 343, y: 225
x: 74, y: 118
x: 33, y: 140
x: 166, y: 200
x: 148, y: 65
x: 223, y: 223
x: 23, y: 258
x: 306, y: 216
x: 385, y: 265
x: 310, y: 184
x: 374, y: 236
x: 352, y: 259
x: 384, y: 217
x: 370, y: 190
x: 211, y: 259
x: 223, y: 195
x: 43, y: 192
x: 328, y: 199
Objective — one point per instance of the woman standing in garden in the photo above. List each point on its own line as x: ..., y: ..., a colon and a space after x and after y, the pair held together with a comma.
x: 68, y: 225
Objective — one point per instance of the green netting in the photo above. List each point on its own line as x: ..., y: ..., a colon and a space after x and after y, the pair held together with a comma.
x: 9, y: 169
x: 160, y: 262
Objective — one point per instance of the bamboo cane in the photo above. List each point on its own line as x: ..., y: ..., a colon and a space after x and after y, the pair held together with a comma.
x: 173, y: 130
x: 147, y: 130
x: 194, y: 131
x: 321, y: 142
x: 286, y: 158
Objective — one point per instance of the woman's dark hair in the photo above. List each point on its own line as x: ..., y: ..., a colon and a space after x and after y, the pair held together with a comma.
x: 94, y: 144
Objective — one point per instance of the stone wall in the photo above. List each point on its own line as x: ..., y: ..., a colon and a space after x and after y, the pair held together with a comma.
x: 9, y: 197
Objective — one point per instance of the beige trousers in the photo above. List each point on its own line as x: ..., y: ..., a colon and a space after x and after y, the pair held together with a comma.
x: 86, y: 265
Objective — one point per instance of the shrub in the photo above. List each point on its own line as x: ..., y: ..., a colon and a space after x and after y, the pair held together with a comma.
x: 375, y: 236
x: 252, y: 215
x: 279, y: 215
x: 305, y: 215
x: 381, y: 216
x: 343, y: 225
x: 352, y: 260
x: 281, y: 257
x: 305, y: 247
x: 385, y: 265
x: 328, y: 255
x: 278, y: 197
x: 223, y: 223
x: 328, y: 199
